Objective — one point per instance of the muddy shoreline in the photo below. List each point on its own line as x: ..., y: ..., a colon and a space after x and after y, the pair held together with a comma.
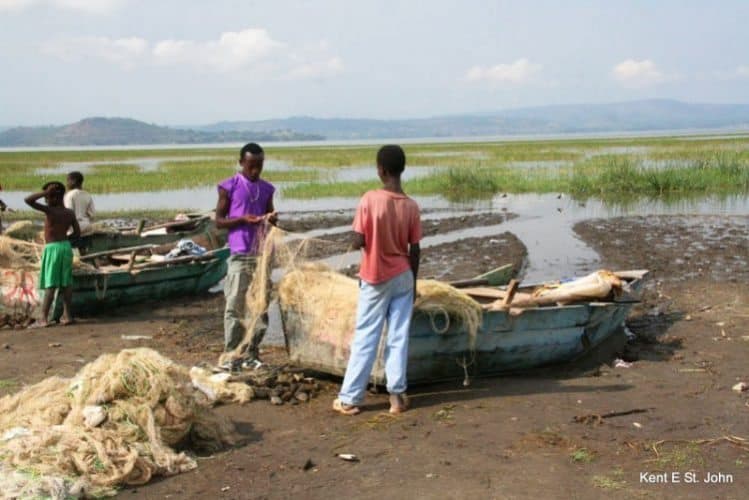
x: 501, y: 437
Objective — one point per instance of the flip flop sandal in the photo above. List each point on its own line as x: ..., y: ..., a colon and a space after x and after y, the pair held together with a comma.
x: 344, y: 409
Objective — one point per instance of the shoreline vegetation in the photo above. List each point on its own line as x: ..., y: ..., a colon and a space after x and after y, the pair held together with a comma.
x: 609, y: 169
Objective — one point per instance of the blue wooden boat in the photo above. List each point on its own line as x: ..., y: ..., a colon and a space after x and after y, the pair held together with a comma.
x: 99, y: 291
x: 505, y: 342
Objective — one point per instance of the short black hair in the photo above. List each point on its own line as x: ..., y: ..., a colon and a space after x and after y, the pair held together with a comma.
x: 252, y: 148
x: 58, y: 188
x: 76, y: 177
x: 392, y: 159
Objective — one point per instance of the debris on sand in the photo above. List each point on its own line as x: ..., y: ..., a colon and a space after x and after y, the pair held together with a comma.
x: 278, y: 384
x: 740, y: 387
x: 598, y: 418
x: 620, y: 363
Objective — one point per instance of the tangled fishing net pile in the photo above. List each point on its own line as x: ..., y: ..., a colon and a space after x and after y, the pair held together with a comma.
x: 117, y: 422
x: 19, y: 254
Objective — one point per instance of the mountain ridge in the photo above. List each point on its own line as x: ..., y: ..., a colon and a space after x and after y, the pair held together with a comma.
x: 103, y: 131
x: 628, y: 116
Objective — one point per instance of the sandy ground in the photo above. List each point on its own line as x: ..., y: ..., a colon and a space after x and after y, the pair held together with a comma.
x: 501, y: 437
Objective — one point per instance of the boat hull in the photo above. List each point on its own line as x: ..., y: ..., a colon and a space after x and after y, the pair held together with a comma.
x: 101, y: 292
x: 439, y: 350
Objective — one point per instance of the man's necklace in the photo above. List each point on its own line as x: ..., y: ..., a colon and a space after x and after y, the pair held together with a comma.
x: 257, y: 192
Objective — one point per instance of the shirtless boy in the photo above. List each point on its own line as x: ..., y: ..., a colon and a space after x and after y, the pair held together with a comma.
x: 56, y: 272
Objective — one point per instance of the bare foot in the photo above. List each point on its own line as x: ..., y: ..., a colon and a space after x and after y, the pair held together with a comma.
x: 38, y: 324
x: 398, y: 403
x: 68, y: 322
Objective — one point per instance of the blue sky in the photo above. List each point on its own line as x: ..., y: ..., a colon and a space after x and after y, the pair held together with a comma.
x: 190, y: 62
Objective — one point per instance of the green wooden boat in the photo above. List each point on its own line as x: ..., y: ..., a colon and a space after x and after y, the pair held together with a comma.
x: 103, y: 290
x: 195, y: 227
x: 505, y: 342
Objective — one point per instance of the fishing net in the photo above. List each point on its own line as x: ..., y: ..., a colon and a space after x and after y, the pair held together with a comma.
x: 18, y: 253
x: 24, y: 230
x: 117, y: 422
x: 325, y: 300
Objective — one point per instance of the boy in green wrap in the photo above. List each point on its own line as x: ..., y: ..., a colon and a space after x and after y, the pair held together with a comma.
x: 56, y: 272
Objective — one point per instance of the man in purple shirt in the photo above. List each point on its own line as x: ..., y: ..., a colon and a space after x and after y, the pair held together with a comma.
x: 245, y: 203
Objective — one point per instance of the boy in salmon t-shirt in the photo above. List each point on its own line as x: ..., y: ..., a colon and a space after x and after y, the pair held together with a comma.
x: 387, y: 227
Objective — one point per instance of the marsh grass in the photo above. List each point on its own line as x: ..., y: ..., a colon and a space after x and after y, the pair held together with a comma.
x: 609, y: 177
x: 661, y: 167
x: 129, y: 177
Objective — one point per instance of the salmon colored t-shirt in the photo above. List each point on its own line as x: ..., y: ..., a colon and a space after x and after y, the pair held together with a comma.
x: 389, y: 222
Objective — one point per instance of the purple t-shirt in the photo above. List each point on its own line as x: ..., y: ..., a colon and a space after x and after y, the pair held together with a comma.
x: 246, y: 197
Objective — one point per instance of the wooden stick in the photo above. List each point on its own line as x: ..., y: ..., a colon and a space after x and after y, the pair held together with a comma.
x: 177, y: 223
x: 141, y: 225
x: 132, y: 261
x: 469, y: 283
x: 107, y: 253
x: 511, y: 289
x: 485, y: 292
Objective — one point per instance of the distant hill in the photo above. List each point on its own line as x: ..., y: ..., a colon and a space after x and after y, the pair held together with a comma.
x: 125, y: 131
x: 647, y: 115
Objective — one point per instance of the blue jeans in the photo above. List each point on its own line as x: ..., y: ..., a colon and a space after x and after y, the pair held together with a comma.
x: 391, y: 301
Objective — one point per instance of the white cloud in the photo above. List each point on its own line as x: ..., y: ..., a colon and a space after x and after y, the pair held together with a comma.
x: 88, y: 6
x: 516, y: 73
x: 231, y: 51
x: 317, y: 69
x: 125, y: 52
x: 742, y: 71
x: 15, y: 4
x: 633, y: 73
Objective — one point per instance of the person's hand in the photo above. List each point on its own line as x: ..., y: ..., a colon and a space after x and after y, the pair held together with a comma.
x: 251, y: 219
x: 272, y: 217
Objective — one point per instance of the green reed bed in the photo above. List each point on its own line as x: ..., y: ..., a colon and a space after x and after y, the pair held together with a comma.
x: 127, y: 214
x: 127, y: 177
x: 604, y: 176
x: 615, y: 176
x: 35, y: 158
x: 425, y: 154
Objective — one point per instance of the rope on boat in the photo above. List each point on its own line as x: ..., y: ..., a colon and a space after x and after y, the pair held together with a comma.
x: 432, y: 315
x: 101, y: 293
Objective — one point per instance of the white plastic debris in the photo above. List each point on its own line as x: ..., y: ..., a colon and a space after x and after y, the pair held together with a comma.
x: 629, y: 333
x: 218, y: 287
x: 620, y: 363
x: 200, y: 384
x: 637, y: 424
x: 136, y: 337
x: 93, y: 416
x: 15, y: 432
x: 740, y: 387
x: 220, y: 377
x: 348, y: 457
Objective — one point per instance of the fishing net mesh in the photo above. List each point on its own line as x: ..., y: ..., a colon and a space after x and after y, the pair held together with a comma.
x: 18, y: 253
x: 117, y: 422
